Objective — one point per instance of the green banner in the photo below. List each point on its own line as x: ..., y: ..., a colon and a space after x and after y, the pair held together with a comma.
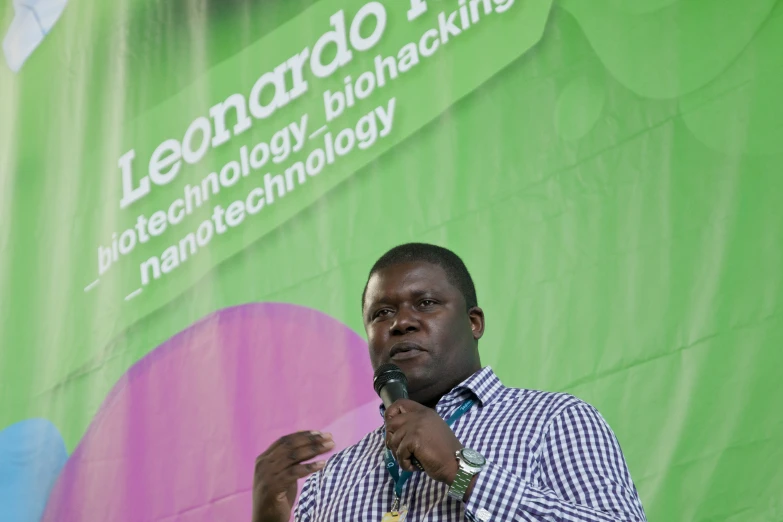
x: 192, y: 193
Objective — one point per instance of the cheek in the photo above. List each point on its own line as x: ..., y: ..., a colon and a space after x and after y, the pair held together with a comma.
x: 450, y: 336
x: 374, y: 333
x: 375, y: 341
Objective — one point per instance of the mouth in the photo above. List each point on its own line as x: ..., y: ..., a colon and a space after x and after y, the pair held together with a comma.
x: 405, y: 350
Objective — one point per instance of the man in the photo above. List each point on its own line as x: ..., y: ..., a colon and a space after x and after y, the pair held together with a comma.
x: 487, y: 452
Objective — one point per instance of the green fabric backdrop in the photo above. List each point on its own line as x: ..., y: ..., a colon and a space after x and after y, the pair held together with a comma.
x: 609, y: 171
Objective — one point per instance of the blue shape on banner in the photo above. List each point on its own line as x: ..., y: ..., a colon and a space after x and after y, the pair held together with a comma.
x: 32, y: 454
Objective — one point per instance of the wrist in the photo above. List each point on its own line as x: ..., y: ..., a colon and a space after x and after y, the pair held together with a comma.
x: 452, y: 473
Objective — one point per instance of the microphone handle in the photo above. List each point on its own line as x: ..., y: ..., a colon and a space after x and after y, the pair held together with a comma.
x: 392, y: 391
x: 417, y: 463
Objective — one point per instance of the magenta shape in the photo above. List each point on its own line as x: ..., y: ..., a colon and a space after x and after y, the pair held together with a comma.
x: 177, y: 438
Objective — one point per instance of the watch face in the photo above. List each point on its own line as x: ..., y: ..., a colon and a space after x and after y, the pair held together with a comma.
x: 473, y: 458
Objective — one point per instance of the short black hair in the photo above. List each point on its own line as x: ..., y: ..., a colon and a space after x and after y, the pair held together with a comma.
x: 456, y: 271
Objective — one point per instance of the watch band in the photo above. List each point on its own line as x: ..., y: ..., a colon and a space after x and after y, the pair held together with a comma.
x: 460, y: 484
x: 462, y: 480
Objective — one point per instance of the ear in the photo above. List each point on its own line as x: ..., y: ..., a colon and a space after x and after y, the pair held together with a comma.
x: 476, y: 317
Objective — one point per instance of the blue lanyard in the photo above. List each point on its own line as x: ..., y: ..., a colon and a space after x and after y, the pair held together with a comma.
x: 394, y: 469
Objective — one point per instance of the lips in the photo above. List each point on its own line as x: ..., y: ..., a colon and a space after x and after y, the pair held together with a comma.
x: 404, y: 350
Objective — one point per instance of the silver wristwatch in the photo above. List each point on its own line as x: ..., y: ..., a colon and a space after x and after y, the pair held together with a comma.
x: 470, y: 463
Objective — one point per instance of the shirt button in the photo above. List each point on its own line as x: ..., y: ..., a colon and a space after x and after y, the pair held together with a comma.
x: 483, y: 514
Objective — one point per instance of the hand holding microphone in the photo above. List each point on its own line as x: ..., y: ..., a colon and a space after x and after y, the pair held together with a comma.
x: 417, y: 436
x: 392, y: 385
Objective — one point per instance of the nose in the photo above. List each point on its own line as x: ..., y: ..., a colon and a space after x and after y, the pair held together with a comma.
x: 405, y: 321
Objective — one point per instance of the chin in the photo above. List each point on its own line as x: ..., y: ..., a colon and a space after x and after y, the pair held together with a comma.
x: 426, y: 399
x: 418, y: 377
x: 423, y: 391
x: 416, y: 370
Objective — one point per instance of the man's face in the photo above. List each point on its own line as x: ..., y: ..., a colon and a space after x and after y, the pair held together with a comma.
x: 415, y: 318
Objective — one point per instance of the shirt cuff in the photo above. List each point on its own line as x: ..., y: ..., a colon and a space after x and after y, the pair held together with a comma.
x: 496, y: 495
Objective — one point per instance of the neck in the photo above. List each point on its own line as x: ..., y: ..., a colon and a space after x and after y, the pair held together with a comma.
x: 431, y: 401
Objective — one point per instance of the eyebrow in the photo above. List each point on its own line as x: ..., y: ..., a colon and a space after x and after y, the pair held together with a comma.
x: 414, y: 293
x: 421, y: 293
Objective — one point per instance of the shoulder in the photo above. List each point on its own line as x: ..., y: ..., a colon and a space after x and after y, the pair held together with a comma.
x: 543, y: 407
x: 548, y: 403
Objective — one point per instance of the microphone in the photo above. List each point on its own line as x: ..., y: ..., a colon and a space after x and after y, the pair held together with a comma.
x: 391, y: 384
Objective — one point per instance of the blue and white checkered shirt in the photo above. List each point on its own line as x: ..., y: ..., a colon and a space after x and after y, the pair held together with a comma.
x: 550, y: 457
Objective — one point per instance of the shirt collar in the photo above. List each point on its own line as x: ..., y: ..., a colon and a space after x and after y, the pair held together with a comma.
x: 483, y: 386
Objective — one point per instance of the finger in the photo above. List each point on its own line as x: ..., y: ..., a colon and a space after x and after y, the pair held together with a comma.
x: 280, y: 469
x: 395, y: 441
x: 405, y: 450
x: 284, y: 457
x: 398, y: 421
x: 281, y: 481
x: 402, y: 407
x: 302, y: 470
x: 304, y: 453
x: 293, y: 441
x: 394, y: 438
x: 300, y: 438
x: 398, y: 407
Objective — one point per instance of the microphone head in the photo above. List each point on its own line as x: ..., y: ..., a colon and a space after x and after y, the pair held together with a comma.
x: 387, y: 373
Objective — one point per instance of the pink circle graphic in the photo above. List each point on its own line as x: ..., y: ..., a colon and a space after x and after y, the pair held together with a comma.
x: 177, y: 437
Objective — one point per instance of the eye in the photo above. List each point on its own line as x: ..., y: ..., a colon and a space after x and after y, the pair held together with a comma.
x: 427, y: 303
x: 383, y: 312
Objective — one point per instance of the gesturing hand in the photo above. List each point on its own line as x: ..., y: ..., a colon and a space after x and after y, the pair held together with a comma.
x: 415, y: 430
x: 278, y: 469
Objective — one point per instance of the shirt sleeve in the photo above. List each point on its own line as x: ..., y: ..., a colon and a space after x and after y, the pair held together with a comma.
x: 583, y: 478
x: 305, y: 504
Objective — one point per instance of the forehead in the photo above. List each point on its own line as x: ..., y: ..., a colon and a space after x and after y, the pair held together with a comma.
x: 406, y: 279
